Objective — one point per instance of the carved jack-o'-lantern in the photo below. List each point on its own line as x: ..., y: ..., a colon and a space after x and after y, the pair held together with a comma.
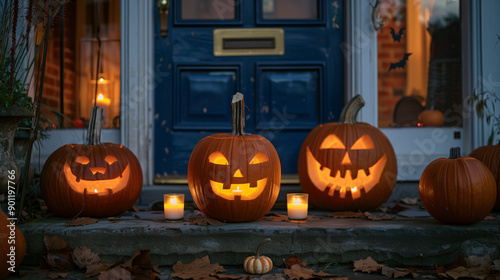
x: 234, y: 177
x: 347, y: 165
x: 94, y: 179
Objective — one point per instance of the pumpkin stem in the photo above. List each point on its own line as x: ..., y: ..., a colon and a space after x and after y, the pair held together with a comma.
x: 238, y: 106
x: 258, y: 248
x: 350, y: 111
x: 454, y: 152
x: 94, y: 129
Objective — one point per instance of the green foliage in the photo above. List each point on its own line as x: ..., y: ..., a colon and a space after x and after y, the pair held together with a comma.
x: 485, y: 104
x: 15, y: 97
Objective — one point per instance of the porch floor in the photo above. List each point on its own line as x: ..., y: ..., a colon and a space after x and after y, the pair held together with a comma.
x: 412, y: 238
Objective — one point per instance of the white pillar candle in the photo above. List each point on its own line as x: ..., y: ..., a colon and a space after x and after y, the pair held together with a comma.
x: 173, y: 205
x: 297, y: 206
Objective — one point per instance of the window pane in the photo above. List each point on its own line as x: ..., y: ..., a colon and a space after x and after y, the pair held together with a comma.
x: 208, y: 9
x: 290, y: 9
x: 419, y: 62
x: 72, y: 107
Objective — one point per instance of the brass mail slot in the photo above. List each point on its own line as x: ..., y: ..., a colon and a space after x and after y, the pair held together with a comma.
x: 249, y: 41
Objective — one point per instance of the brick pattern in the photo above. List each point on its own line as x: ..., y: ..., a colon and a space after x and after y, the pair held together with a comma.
x: 51, y: 87
x: 391, y: 84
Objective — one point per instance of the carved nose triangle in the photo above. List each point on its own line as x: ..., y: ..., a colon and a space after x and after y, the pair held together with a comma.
x: 346, y: 160
x: 238, y: 174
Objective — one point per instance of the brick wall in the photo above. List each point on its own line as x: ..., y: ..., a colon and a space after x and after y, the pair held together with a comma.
x: 51, y: 88
x: 391, y: 84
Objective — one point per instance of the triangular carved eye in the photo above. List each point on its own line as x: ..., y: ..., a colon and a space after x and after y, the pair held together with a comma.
x: 332, y: 142
x: 82, y: 160
x: 218, y: 158
x: 110, y: 159
x: 363, y: 143
x: 260, y: 157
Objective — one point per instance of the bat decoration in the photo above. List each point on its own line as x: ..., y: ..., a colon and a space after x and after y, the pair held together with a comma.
x: 397, y: 37
x: 401, y: 63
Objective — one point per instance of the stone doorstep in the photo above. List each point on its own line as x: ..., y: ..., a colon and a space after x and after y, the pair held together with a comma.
x: 419, y: 242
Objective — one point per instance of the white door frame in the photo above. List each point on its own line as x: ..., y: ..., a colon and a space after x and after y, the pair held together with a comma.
x: 360, y: 50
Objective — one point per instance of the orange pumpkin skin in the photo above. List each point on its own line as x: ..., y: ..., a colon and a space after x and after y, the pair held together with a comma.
x: 64, y: 194
x: 239, y: 151
x: 458, y: 190
x: 20, y: 244
x: 431, y: 118
x: 327, y: 198
x: 357, y: 171
x: 94, y: 179
x: 490, y: 156
x: 234, y: 177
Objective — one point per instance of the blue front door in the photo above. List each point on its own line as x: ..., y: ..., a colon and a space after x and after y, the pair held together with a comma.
x: 284, y: 55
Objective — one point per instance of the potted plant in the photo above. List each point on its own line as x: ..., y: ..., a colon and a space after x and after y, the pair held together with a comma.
x: 23, y: 41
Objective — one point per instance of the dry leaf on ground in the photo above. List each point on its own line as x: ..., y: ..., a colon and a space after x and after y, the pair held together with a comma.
x: 398, y: 208
x: 346, y: 214
x: 56, y: 275
x: 275, y: 217
x: 367, y: 265
x: 294, y: 260
x: 140, y: 265
x: 204, y: 221
x: 115, y: 273
x: 313, y: 218
x: 115, y: 220
x: 410, y: 200
x: 397, y: 273
x: 428, y: 277
x: 464, y: 272
x: 82, y: 221
x: 59, y: 254
x: 490, y: 218
x: 471, y: 267
x: 83, y: 257
x: 197, y: 269
x: 496, y: 265
x: 60, y: 259
x: 54, y: 242
x: 482, y: 262
x: 298, y: 272
x: 95, y: 269
x: 378, y: 217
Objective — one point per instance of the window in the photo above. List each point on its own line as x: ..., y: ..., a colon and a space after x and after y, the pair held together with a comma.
x: 70, y: 87
x: 419, y: 62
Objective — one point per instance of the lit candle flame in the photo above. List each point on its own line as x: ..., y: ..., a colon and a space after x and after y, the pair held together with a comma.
x: 100, y: 97
x: 355, y: 189
x: 296, y: 200
x: 173, y: 200
x: 95, y: 190
x: 101, y: 80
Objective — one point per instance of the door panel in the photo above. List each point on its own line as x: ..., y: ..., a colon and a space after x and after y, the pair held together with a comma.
x: 287, y: 93
x: 198, y: 95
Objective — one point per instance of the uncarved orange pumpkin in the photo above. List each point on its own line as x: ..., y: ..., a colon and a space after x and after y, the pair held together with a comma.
x: 431, y: 118
x: 347, y: 165
x: 490, y: 156
x: 234, y: 177
x: 10, y: 239
x: 94, y: 179
x: 457, y: 190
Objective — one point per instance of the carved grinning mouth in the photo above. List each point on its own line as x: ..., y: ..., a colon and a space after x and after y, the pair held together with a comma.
x: 246, y: 191
x: 99, y: 187
x: 322, y: 179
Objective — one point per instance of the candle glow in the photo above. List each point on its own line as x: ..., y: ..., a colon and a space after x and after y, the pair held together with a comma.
x: 173, y: 206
